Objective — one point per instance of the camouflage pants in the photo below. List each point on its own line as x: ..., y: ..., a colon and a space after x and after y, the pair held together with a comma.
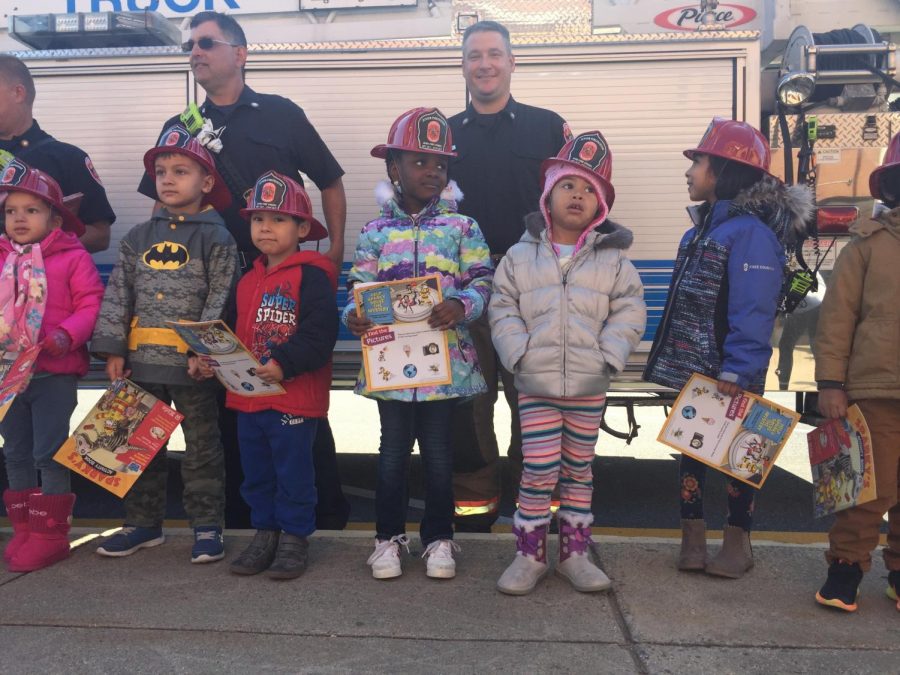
x: 202, y: 469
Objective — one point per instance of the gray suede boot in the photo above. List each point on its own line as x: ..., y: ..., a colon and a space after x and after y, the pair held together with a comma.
x: 693, y: 545
x: 735, y: 556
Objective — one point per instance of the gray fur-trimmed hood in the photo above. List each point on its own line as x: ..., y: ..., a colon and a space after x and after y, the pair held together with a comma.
x: 607, y: 234
x: 785, y: 209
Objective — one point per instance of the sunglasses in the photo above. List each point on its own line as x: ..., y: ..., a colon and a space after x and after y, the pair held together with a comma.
x: 205, y: 43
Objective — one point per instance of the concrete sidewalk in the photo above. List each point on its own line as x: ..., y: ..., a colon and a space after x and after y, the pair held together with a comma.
x: 155, y: 612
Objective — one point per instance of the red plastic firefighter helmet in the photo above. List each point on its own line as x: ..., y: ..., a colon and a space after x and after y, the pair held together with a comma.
x: 19, y: 177
x: 737, y: 141
x: 177, y: 139
x: 891, y: 159
x: 588, y: 151
x: 280, y: 194
x: 418, y: 130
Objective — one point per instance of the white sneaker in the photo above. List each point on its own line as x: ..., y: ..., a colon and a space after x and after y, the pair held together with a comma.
x: 385, y: 559
x: 439, y: 562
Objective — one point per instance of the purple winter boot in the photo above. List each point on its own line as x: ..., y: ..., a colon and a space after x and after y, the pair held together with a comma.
x: 575, y: 563
x: 530, y: 564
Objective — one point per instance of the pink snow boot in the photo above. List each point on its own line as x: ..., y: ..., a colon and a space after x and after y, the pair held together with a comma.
x: 49, y: 519
x: 16, y: 502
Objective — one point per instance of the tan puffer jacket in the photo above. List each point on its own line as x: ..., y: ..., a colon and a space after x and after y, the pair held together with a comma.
x: 563, y: 334
x: 858, y: 338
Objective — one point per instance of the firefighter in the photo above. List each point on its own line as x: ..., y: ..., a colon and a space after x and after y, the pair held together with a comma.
x: 22, y: 136
x: 500, y: 144
x: 251, y: 133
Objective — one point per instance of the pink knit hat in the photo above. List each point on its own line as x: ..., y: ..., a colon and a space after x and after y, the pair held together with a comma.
x: 555, y: 173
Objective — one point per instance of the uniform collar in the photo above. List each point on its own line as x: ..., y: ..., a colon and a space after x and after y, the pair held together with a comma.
x: 31, y: 136
x: 248, y: 98
x: 509, y: 111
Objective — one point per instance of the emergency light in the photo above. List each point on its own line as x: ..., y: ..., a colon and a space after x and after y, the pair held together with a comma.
x: 94, y: 30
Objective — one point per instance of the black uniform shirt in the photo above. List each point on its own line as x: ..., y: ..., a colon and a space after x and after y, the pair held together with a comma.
x: 68, y: 165
x: 262, y: 132
x: 498, y: 166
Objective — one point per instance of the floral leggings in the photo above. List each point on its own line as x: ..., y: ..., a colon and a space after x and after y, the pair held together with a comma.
x: 692, y: 474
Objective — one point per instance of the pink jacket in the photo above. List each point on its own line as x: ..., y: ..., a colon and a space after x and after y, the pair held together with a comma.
x: 74, y: 293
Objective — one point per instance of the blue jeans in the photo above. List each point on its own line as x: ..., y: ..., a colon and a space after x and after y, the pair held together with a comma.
x: 279, y: 476
x: 35, y: 426
x: 402, y: 423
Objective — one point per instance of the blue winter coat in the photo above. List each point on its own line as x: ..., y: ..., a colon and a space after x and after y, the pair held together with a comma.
x: 725, y: 288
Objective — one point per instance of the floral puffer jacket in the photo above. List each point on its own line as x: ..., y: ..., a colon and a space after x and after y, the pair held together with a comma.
x: 437, y: 240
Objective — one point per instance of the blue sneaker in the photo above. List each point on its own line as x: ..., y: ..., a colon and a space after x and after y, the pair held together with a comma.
x: 209, y: 544
x: 130, y: 539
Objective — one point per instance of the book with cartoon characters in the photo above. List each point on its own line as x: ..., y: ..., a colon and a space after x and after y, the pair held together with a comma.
x: 16, y: 369
x: 843, y: 469
x: 119, y: 437
x: 234, y: 364
x: 741, y: 435
x: 402, y: 351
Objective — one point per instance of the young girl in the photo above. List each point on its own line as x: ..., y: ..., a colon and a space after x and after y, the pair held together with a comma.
x: 721, y: 307
x: 566, y: 312
x: 419, y: 233
x: 50, y: 295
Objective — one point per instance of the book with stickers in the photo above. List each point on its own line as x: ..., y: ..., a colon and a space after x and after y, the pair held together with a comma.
x: 402, y: 350
x: 740, y: 435
x: 843, y: 468
x: 119, y: 437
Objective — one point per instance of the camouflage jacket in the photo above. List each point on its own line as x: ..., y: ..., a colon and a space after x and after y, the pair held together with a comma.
x: 170, y: 268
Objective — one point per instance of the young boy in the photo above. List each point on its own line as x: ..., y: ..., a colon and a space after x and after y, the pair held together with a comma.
x: 856, y: 349
x: 287, y: 315
x: 179, y: 265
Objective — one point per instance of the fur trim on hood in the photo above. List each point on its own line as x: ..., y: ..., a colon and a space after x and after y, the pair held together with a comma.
x: 785, y: 209
x: 384, y: 192
x: 612, y: 235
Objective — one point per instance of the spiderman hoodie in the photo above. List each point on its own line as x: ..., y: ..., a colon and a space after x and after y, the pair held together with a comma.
x: 289, y: 314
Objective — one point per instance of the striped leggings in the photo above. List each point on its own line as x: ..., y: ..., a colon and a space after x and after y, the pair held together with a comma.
x: 558, y: 439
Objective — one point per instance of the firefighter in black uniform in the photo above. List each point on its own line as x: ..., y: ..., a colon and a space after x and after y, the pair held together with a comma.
x: 251, y: 133
x: 21, y: 136
x: 500, y: 144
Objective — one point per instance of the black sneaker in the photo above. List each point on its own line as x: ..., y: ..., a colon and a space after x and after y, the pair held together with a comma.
x: 841, y: 589
x: 290, y: 558
x: 893, y: 589
x: 258, y: 555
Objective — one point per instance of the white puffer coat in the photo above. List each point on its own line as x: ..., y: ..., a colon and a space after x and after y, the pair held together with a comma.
x: 563, y: 334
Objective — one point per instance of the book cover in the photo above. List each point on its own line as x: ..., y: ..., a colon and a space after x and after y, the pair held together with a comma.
x: 843, y: 469
x: 119, y: 437
x: 741, y: 435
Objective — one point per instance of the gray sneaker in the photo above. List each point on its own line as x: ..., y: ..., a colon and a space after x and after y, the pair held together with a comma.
x: 258, y: 556
x: 290, y: 559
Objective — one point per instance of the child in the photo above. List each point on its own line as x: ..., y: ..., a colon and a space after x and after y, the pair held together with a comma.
x: 567, y: 310
x: 857, y: 347
x: 179, y: 265
x: 49, y: 296
x: 721, y: 307
x: 287, y: 315
x: 419, y: 232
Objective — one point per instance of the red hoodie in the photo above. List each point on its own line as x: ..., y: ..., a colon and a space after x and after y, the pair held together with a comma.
x: 289, y: 313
